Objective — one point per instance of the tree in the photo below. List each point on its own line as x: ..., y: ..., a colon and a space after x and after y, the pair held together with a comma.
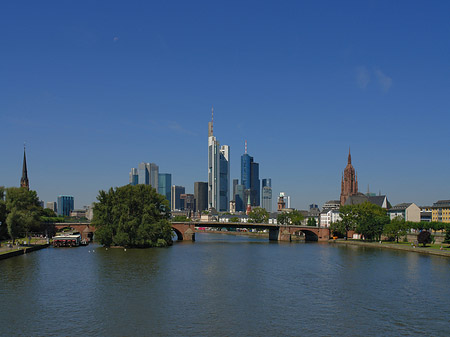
x: 234, y: 219
x: 424, y: 237
x: 293, y: 217
x: 132, y: 216
x: 447, y: 234
x: 258, y: 215
x: 180, y: 218
x: 371, y: 220
x: 22, y: 211
x: 3, y: 214
x: 395, y: 228
x: 349, y: 220
x: 311, y: 222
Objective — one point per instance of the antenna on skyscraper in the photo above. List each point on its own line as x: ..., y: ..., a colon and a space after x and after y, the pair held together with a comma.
x: 246, y: 146
x: 212, y: 118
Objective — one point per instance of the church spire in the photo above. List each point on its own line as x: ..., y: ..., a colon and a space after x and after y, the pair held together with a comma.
x: 349, y: 156
x: 24, y: 180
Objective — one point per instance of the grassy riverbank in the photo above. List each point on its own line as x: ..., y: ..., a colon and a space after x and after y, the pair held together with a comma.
x: 405, y: 246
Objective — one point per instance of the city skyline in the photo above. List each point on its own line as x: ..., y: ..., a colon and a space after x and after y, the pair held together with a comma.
x: 300, y: 82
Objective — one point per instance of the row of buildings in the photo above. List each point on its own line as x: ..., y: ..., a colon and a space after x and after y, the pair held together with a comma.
x: 213, y: 195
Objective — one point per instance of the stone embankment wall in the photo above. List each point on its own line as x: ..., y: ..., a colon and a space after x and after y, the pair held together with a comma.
x: 22, y: 251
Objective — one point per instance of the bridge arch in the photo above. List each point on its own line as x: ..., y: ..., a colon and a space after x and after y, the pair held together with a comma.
x: 177, y: 233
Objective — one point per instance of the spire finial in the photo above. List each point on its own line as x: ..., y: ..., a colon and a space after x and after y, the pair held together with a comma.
x: 246, y: 146
x: 349, y: 156
x: 212, y: 118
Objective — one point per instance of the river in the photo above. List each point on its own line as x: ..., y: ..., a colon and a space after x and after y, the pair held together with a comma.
x: 224, y: 285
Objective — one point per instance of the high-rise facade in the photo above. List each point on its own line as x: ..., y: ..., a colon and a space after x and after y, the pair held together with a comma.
x: 134, y: 176
x: 349, y: 181
x: 164, y: 185
x: 177, y: 191
x: 65, y: 204
x: 52, y: 205
x: 218, y: 172
x: 250, y: 178
x: 147, y: 174
x: 201, y: 196
x: 267, y: 194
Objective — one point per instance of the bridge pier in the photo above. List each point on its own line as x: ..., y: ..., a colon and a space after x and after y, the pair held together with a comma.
x: 184, y: 231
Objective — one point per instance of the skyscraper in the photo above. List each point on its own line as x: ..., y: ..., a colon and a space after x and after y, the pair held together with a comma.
x: 250, y: 178
x: 177, y: 191
x: 201, y: 196
x: 147, y: 174
x: 65, y: 204
x: 134, y: 176
x: 267, y: 194
x: 164, y: 185
x: 218, y: 171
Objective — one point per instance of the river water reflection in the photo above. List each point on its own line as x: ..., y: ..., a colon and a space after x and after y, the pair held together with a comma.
x: 224, y: 285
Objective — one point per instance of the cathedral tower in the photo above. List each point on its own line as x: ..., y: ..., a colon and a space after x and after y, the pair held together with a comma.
x: 349, y: 181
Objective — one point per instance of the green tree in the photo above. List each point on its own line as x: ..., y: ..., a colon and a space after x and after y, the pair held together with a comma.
x: 349, y: 220
x: 447, y: 234
x: 395, y: 228
x: 258, y: 215
x: 3, y: 214
x: 180, y: 218
x: 132, y: 216
x: 234, y: 219
x: 22, y: 211
x: 311, y: 222
x: 293, y: 217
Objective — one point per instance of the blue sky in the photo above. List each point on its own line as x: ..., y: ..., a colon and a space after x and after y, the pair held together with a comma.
x: 95, y: 87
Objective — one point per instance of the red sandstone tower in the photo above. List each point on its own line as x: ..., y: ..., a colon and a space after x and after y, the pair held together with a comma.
x: 349, y: 182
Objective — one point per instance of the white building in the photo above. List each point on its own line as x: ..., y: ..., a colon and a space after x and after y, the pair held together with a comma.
x: 329, y: 216
x: 407, y: 211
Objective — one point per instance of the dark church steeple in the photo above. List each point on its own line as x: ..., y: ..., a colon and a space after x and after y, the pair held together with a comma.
x: 24, y: 180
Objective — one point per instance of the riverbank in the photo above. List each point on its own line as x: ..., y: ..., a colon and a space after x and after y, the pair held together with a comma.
x: 12, y: 252
x: 395, y: 246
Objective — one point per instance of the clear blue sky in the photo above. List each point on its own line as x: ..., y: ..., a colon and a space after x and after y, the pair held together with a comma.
x: 95, y: 87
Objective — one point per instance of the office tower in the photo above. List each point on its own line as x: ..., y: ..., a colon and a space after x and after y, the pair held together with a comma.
x: 218, y: 171
x: 224, y: 190
x: 250, y: 178
x: 267, y: 194
x: 51, y: 205
x: 239, y: 198
x: 24, y: 180
x: 187, y: 202
x: 201, y: 196
x: 134, y: 176
x: 143, y: 176
x: 153, y: 172
x: 65, y: 204
x: 235, y: 183
x: 177, y: 191
x: 148, y: 174
x: 164, y: 186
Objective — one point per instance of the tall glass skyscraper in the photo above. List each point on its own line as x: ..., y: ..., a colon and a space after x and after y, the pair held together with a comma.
x: 65, y: 204
x: 267, y: 194
x: 164, y: 186
x: 147, y: 174
x: 250, y: 179
x: 218, y: 172
x: 134, y: 176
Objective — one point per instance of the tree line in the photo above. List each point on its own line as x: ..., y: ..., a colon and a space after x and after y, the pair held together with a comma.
x: 372, y: 221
